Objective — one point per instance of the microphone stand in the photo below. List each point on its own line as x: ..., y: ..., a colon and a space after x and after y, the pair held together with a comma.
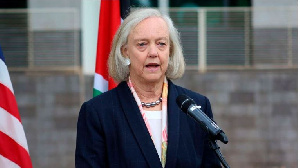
x: 213, y: 145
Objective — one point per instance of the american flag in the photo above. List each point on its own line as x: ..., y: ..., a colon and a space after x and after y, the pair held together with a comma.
x: 13, y: 144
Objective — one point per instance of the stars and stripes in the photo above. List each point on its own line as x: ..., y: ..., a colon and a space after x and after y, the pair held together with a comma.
x: 13, y: 144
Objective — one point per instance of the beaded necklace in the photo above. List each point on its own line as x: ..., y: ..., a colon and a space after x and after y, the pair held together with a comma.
x: 152, y: 104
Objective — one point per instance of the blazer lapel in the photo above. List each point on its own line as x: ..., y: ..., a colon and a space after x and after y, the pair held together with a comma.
x: 173, y: 126
x: 138, y: 125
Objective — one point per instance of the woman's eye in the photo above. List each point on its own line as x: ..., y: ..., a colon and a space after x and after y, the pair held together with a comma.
x: 161, y: 44
x: 141, y: 44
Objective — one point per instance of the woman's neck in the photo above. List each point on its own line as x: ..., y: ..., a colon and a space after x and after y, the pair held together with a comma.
x: 147, y: 92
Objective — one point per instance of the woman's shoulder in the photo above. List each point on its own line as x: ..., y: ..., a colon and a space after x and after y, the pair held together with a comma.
x: 107, y: 97
x: 102, y: 97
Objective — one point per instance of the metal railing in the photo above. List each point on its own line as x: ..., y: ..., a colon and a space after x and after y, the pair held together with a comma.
x: 212, y: 38
x: 236, y: 38
x: 40, y: 39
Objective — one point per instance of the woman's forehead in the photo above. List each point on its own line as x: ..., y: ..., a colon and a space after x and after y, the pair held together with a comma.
x: 150, y: 27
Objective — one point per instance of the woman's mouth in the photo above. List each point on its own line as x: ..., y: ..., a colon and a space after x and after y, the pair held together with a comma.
x: 152, y: 67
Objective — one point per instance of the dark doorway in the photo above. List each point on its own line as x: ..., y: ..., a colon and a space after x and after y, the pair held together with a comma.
x: 4, y: 4
x: 14, y: 32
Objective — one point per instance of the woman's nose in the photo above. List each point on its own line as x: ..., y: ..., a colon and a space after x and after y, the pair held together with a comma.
x: 153, y: 51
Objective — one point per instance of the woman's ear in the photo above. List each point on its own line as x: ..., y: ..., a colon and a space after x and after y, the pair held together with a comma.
x: 124, y: 51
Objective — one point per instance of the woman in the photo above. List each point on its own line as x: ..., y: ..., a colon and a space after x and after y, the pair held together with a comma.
x: 138, y: 124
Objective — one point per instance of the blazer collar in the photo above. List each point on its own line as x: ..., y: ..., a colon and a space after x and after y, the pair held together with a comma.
x: 139, y: 128
x: 173, y: 126
x: 137, y: 125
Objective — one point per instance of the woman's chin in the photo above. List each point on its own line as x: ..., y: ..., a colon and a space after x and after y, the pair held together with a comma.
x: 154, y: 78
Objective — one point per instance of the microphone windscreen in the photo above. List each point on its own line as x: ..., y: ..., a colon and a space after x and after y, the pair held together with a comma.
x: 184, y: 102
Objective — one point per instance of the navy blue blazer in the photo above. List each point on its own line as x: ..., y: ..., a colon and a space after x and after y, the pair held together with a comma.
x: 111, y: 133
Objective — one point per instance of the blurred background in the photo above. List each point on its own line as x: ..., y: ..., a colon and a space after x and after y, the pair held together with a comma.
x: 241, y: 54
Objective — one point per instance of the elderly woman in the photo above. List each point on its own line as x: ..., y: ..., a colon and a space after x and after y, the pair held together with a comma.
x: 138, y: 124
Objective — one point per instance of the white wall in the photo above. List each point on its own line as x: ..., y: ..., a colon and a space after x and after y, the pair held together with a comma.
x: 275, y: 13
x: 54, y: 3
x: 256, y: 3
x: 54, y: 14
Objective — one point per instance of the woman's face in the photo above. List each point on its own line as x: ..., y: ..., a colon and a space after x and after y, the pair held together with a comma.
x: 148, y: 49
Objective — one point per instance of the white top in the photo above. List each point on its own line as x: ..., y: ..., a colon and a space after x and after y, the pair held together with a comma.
x: 154, y: 119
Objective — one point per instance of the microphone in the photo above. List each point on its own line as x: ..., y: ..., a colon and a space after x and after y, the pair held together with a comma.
x: 188, y: 105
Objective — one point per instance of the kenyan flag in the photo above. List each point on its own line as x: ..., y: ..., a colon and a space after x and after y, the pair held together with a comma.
x: 112, y: 12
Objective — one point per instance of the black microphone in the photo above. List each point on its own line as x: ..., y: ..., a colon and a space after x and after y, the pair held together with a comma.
x: 188, y: 105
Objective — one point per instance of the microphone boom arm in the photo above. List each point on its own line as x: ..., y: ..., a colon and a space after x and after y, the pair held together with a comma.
x: 213, y: 145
